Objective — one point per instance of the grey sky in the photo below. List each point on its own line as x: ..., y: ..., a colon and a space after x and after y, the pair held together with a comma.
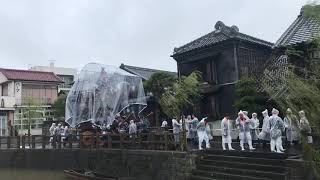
x: 135, y: 32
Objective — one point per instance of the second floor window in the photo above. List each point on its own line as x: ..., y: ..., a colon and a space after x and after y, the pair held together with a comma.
x: 5, y: 89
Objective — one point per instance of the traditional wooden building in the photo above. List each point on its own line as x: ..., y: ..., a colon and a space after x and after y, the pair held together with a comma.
x: 223, y: 56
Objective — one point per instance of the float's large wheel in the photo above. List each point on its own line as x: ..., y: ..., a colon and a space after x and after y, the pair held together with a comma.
x: 87, y: 139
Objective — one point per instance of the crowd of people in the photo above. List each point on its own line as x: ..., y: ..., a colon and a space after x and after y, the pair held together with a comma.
x: 199, y: 132
x: 59, y: 130
x: 272, y: 129
x: 196, y: 131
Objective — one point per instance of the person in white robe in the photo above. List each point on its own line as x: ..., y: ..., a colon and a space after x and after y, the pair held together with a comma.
x: 254, y: 130
x: 276, y: 129
x: 226, y: 133
x: 51, y: 131
x: 305, y: 126
x: 291, y: 126
x: 202, y: 133
x: 264, y: 135
x: 176, y: 131
x: 193, y: 128
x: 243, y: 124
x: 186, y: 125
x: 132, y: 129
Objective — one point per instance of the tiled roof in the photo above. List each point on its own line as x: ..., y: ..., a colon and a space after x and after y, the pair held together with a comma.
x: 221, y: 33
x: 27, y: 75
x: 301, y: 30
x: 144, y: 73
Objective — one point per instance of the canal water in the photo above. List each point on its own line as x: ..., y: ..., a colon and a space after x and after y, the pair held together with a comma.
x: 23, y: 174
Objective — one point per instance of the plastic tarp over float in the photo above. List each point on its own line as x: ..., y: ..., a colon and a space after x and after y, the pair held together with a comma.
x: 101, y: 92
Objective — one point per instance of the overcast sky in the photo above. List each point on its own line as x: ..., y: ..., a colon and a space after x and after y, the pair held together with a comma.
x: 135, y: 32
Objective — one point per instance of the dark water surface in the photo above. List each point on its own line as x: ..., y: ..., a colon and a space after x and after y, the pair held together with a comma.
x: 24, y: 174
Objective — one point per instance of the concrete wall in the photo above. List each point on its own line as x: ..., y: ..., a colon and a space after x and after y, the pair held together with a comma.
x: 142, y: 165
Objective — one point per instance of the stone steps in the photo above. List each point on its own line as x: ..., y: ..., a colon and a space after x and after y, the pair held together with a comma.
x: 215, y: 164
x: 265, y: 161
x: 256, y: 166
x: 243, y: 171
x: 225, y: 176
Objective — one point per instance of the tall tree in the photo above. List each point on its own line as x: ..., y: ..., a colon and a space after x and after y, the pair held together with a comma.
x: 248, y: 98
x: 59, y: 107
x: 158, y: 83
x: 183, y: 95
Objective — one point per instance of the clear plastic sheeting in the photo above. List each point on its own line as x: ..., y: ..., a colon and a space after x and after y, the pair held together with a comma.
x: 101, y: 92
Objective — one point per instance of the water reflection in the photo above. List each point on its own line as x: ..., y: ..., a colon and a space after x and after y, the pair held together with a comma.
x: 24, y: 174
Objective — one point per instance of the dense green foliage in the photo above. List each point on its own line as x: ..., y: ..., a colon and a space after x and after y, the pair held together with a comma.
x: 182, y: 95
x: 248, y: 97
x: 59, y: 106
x: 312, y: 10
x: 158, y: 83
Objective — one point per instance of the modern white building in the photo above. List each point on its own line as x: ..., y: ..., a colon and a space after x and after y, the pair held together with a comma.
x: 66, y: 74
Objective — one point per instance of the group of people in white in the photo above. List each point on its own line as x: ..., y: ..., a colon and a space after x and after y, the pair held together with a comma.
x: 272, y: 128
x: 196, y: 131
x: 59, y: 130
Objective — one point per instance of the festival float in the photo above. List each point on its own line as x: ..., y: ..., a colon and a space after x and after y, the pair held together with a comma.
x: 99, y: 94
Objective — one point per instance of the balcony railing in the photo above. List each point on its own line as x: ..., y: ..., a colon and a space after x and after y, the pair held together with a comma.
x: 29, y: 101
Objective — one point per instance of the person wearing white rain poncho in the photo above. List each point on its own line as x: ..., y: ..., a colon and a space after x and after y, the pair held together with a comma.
x: 202, y: 133
x: 305, y: 126
x: 176, y: 130
x: 254, y: 131
x: 276, y: 128
x: 51, y: 131
x: 132, y: 129
x: 226, y: 133
x: 265, y: 132
x: 243, y: 123
x: 291, y: 124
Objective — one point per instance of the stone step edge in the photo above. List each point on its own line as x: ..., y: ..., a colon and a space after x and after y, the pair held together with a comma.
x: 244, y: 164
x: 235, y: 176
x: 247, y: 152
x: 244, y: 158
x: 200, y: 178
x: 240, y: 169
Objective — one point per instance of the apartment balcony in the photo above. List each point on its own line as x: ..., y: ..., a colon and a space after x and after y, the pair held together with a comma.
x: 7, y: 102
x: 32, y: 101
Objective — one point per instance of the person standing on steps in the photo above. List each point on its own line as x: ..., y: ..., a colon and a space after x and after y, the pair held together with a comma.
x: 176, y: 131
x: 264, y: 135
x: 305, y: 126
x: 193, y: 129
x: 226, y: 133
x: 243, y: 124
x: 276, y: 128
x: 291, y: 125
x: 254, y: 131
x: 202, y: 133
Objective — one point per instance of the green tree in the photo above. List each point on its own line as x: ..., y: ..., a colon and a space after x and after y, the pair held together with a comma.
x: 248, y: 98
x: 158, y: 83
x: 59, y: 107
x: 181, y: 96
